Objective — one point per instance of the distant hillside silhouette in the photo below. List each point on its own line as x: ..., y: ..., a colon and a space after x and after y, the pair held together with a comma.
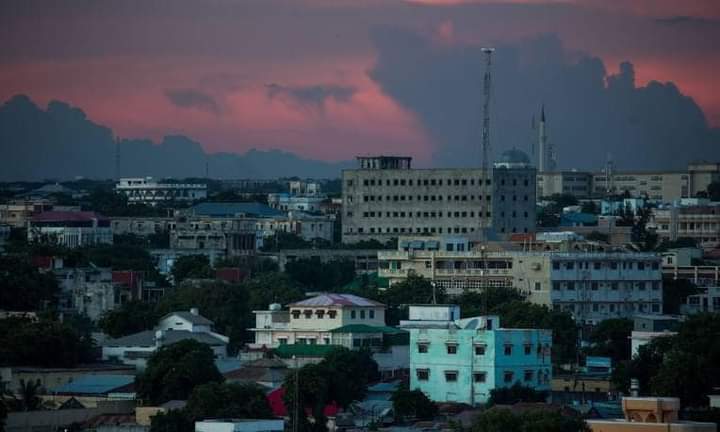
x: 61, y: 142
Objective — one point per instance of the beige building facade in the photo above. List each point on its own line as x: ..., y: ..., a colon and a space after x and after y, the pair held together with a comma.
x: 650, y: 414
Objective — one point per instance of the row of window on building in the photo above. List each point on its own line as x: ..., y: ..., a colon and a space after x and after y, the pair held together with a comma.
x: 331, y: 314
x: 480, y: 348
x: 613, y: 265
x: 418, y: 230
x: 595, y: 285
x: 481, y: 377
x: 430, y: 214
x: 427, y: 198
x: 608, y: 307
x: 424, y: 182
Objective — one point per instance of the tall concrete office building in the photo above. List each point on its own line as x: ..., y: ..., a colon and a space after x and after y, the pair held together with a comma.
x: 385, y: 197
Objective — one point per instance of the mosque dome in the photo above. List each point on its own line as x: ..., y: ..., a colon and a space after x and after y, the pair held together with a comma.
x: 513, y: 157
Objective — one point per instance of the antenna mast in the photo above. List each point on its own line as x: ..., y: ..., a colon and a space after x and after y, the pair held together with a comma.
x: 487, y: 85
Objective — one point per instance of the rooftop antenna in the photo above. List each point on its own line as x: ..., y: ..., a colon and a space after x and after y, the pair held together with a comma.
x: 487, y: 86
x: 117, y: 158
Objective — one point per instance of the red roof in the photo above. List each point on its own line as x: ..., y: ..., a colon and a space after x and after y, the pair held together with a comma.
x: 67, y: 216
x: 275, y: 398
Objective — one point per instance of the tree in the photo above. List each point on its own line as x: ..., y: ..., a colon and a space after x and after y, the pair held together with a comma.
x: 45, y: 344
x: 175, y: 370
x: 503, y: 420
x: 598, y: 236
x: 29, y: 399
x: 412, y: 404
x: 590, y: 207
x: 713, y: 191
x: 349, y: 375
x: 413, y: 290
x: 675, y: 293
x: 283, y: 240
x: 312, y: 396
x: 516, y: 393
x: 129, y: 318
x: 491, y: 298
x: 23, y: 288
x: 172, y: 421
x: 610, y: 338
x: 3, y: 414
x: 216, y: 400
x: 192, y: 267
x: 316, y: 275
x: 640, y: 234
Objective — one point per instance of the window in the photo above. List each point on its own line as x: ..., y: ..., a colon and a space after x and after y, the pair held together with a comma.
x: 597, y: 265
x: 528, y: 376
x: 641, y: 265
x: 556, y: 265
x: 571, y: 286
x: 594, y: 286
x: 451, y: 376
x: 528, y: 349
x: 422, y: 374
x: 479, y: 377
x: 479, y: 350
x: 282, y: 341
x: 508, y: 350
x: 569, y: 265
x: 307, y: 313
x: 422, y: 348
x: 371, y: 313
x: 332, y: 314
x: 295, y: 314
x: 320, y: 313
x: 538, y: 286
x: 655, y: 285
x: 451, y: 348
x: 614, y: 286
x: 508, y: 377
x: 353, y: 314
x: 556, y: 286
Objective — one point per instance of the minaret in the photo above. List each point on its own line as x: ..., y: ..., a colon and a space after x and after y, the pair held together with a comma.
x: 543, y: 153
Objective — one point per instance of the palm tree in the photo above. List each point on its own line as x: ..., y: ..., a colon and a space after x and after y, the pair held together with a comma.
x: 28, y: 392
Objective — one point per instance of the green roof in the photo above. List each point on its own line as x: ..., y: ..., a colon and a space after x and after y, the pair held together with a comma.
x: 304, y: 350
x: 371, y: 279
x: 364, y: 328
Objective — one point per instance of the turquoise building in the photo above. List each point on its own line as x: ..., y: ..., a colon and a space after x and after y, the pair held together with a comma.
x: 462, y: 360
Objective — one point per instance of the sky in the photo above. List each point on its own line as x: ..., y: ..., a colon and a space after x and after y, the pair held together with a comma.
x: 332, y: 79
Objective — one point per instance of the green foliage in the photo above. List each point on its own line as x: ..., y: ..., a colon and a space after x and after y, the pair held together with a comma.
x: 684, y: 365
x: 598, y: 236
x: 172, y: 421
x: 516, y: 393
x: 175, y: 370
x: 129, y: 318
x: 283, y: 240
x: 413, y: 404
x: 316, y: 275
x: 610, y: 339
x: 640, y: 234
x: 564, y: 200
x: 342, y: 377
x: 225, y: 304
x: 216, y: 400
x: 253, y: 265
x: 44, y: 344
x: 492, y: 298
x: 713, y: 191
x: 503, y: 420
x: 681, y: 242
x: 590, y: 207
x: 521, y: 314
x: 23, y: 288
x: 28, y: 392
x: 192, y: 267
x: 675, y: 293
x: 413, y: 290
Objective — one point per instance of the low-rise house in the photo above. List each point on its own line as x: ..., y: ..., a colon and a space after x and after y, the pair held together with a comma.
x: 174, y: 327
x: 462, y: 360
x: 268, y: 373
x: 649, y: 327
x: 12, y: 377
x: 708, y: 300
x: 70, y: 229
x: 86, y: 391
x: 17, y: 213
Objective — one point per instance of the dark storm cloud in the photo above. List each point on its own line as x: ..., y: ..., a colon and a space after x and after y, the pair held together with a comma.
x: 313, y: 97
x: 189, y: 98
x: 590, y: 115
x: 33, y: 140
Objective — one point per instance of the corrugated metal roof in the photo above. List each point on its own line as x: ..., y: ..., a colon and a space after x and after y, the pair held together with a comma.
x: 94, y: 384
x: 190, y: 317
x: 338, y: 300
x: 147, y: 339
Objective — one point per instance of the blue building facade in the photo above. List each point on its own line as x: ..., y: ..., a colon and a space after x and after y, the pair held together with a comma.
x: 462, y: 360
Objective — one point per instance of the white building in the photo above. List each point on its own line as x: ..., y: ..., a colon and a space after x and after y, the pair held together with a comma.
x: 698, y: 220
x: 312, y: 321
x: 463, y: 360
x: 288, y: 202
x: 174, y: 327
x: 308, y: 227
x: 707, y: 301
x: 89, y: 291
x: 70, y: 228
x: 592, y: 286
x: 148, y: 191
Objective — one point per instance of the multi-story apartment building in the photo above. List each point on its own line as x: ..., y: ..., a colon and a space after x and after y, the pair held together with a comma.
x: 308, y: 227
x: 706, y: 301
x: 385, y: 198
x: 664, y: 186
x: 700, y: 222
x: 575, y: 183
x: 592, y: 286
x: 142, y: 226
x: 463, y: 360
x: 148, y: 191
x: 89, y: 291
x: 229, y: 236
x: 70, y: 228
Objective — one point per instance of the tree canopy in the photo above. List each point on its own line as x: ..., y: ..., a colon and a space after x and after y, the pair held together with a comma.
x: 318, y: 276
x: 412, y: 404
x: 228, y: 400
x: 175, y: 370
x: 503, y: 420
x: 192, y: 267
x: 44, y: 344
x: 23, y: 287
x: 129, y: 318
x: 610, y: 338
x: 516, y: 393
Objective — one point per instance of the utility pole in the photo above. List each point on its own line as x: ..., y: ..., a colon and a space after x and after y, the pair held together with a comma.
x: 487, y: 87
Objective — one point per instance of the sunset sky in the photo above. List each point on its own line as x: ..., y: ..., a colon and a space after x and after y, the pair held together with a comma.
x: 296, y: 74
